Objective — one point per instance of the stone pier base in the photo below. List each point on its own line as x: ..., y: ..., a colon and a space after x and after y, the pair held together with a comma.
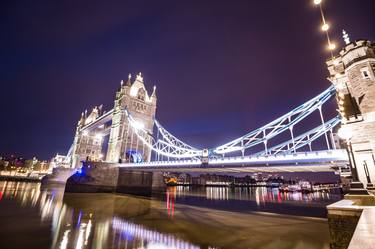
x: 58, y: 176
x: 104, y: 177
x: 342, y: 222
x: 343, y: 218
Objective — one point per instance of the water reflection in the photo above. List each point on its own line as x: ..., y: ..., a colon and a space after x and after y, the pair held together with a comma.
x: 259, y: 194
x: 117, y: 221
x: 154, y: 239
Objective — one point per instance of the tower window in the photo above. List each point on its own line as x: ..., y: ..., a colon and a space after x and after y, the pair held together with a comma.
x: 365, y: 73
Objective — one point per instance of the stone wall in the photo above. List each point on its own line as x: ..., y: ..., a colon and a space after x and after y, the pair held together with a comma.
x: 98, y: 177
x: 134, y: 182
x: 59, y: 176
x: 341, y: 229
x: 95, y: 178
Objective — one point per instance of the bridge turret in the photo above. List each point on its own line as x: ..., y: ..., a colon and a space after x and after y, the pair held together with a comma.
x: 87, y: 143
x: 81, y: 121
x: 135, y: 98
x: 353, y: 74
x: 153, y: 96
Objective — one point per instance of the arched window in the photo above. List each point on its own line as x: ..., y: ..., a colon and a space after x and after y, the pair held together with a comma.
x: 141, y: 94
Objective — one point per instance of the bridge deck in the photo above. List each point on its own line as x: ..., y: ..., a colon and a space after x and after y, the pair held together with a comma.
x: 317, y: 161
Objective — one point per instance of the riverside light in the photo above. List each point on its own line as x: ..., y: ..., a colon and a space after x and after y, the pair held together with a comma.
x: 325, y: 27
x: 331, y: 46
x: 317, y: 2
x: 345, y: 133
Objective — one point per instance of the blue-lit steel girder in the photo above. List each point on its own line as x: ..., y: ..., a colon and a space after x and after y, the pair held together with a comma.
x: 302, y: 140
x: 277, y: 126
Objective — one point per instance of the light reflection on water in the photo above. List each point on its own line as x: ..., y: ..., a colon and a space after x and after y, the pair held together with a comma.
x: 85, y: 221
x: 260, y: 194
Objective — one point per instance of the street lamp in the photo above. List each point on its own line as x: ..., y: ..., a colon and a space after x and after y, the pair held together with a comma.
x: 356, y: 187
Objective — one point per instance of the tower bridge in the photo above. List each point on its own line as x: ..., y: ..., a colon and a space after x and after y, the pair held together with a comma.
x: 155, y: 145
x: 136, y: 140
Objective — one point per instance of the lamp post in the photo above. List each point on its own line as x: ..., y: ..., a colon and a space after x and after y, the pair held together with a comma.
x: 356, y: 187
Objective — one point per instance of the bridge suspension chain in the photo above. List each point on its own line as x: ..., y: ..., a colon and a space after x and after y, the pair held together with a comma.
x: 167, y: 145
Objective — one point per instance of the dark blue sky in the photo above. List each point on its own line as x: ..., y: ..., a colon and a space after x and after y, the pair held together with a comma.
x: 222, y: 68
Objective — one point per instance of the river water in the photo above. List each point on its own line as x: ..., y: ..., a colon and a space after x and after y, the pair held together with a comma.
x: 183, y: 217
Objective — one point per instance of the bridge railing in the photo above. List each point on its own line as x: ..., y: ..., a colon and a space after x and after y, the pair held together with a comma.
x: 292, y: 158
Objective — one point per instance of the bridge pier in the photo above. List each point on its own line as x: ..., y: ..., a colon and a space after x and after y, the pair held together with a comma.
x: 59, y: 176
x: 97, y: 177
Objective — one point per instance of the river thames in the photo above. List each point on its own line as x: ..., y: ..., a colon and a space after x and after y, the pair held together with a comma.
x: 182, y: 217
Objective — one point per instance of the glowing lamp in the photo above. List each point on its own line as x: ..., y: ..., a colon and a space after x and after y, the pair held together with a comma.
x: 345, y: 133
x: 325, y: 27
x: 331, y: 46
x: 317, y: 2
x: 98, y: 136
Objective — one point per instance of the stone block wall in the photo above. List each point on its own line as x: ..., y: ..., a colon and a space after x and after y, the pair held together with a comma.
x: 59, y: 175
x: 134, y: 182
x: 341, y: 229
x: 99, y: 177
x: 94, y: 177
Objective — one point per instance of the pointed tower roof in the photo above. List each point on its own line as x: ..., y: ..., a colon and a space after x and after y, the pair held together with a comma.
x: 153, y: 92
x: 128, y: 83
x: 345, y: 36
x: 137, y: 84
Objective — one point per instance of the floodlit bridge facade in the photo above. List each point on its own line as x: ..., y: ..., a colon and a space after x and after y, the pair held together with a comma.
x: 304, y: 139
x: 138, y: 140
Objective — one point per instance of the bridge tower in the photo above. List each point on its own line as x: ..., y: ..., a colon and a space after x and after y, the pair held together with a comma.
x: 353, y: 74
x: 87, y: 145
x: 122, y: 140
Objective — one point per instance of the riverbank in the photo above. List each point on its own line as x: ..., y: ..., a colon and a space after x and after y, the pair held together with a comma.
x: 19, y: 178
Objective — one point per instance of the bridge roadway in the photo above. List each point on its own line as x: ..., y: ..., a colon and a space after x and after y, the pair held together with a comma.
x: 314, y: 161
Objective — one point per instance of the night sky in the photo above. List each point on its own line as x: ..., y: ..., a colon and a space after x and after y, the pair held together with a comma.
x: 222, y: 68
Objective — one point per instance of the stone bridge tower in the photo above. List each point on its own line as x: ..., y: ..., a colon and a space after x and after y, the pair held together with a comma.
x: 353, y: 74
x: 87, y: 144
x: 142, y: 106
